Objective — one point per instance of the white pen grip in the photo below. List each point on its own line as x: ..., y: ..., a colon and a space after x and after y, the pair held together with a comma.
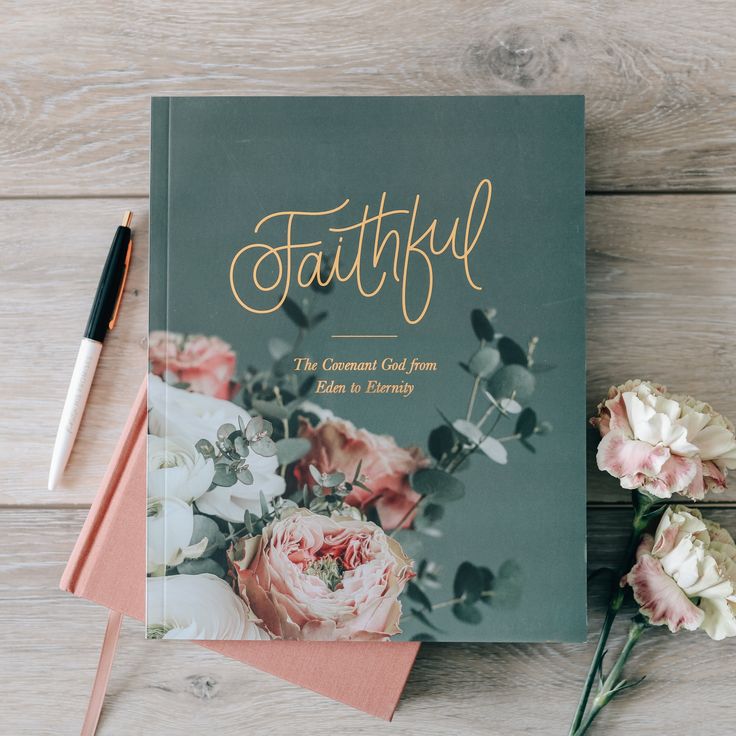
x: 76, y: 396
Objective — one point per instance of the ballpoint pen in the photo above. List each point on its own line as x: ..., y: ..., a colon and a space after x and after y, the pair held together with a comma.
x: 102, y: 318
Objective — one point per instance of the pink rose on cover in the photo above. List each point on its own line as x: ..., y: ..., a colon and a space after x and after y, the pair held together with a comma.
x: 663, y: 443
x: 338, y: 446
x: 207, y: 364
x: 316, y: 577
x: 685, y: 575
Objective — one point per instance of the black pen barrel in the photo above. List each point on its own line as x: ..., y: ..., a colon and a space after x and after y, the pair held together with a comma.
x: 108, y: 288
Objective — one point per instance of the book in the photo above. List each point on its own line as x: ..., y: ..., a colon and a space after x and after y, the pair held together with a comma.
x: 106, y: 567
x: 367, y: 369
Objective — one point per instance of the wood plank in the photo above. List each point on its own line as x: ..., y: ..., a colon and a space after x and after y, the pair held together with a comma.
x: 53, y: 253
x: 660, y: 113
x: 661, y: 302
x: 658, y: 307
x: 469, y: 689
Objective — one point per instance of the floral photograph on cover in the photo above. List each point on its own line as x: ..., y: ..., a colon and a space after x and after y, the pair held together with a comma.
x: 352, y: 442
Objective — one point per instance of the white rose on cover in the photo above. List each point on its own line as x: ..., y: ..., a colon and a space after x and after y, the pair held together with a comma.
x: 173, y: 411
x: 176, y: 469
x: 197, y: 607
x: 170, y: 523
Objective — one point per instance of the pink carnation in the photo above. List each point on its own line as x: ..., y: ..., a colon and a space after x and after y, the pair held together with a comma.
x: 685, y: 575
x: 207, y: 364
x: 663, y: 443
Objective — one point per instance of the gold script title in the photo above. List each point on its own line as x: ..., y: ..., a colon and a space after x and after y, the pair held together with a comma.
x: 273, y: 268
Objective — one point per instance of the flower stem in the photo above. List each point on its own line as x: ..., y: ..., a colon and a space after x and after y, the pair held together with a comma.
x: 473, y: 394
x: 614, y: 684
x: 642, y: 504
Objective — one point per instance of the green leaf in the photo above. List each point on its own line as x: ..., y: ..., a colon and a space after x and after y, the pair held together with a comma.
x: 225, y: 431
x: 484, y: 362
x: 278, y: 348
x: 526, y: 423
x: 315, y: 474
x: 437, y: 485
x: 528, y: 446
x: 295, y: 313
x: 264, y: 446
x: 487, y: 578
x: 511, y: 353
x: 292, y: 449
x: 467, y: 613
x: 224, y: 476
x: 201, y: 566
x: 508, y: 584
x: 319, y: 317
x: 541, y: 367
x: 489, y: 446
x: 468, y: 582
x: 418, y: 596
x: 421, y: 637
x: 241, y: 447
x: 481, y: 325
x: 512, y: 382
x: 206, y: 527
x: 249, y: 520
x: 205, y: 448
x: 331, y: 480
x: 307, y: 385
x: 433, y: 512
x: 265, y: 511
x: 244, y: 475
x: 270, y: 409
x: 421, y: 616
x: 441, y: 441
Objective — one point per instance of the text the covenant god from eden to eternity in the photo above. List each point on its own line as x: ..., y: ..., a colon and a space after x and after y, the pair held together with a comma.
x: 372, y: 385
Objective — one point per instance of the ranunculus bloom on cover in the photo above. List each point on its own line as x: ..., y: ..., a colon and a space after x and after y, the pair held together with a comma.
x: 197, y: 607
x: 176, y: 469
x: 338, y: 446
x: 663, y: 443
x: 314, y: 577
x: 169, y: 527
x: 685, y: 575
x: 207, y: 364
x: 190, y: 417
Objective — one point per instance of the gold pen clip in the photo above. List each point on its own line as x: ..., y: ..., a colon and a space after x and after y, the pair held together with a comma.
x: 114, y: 318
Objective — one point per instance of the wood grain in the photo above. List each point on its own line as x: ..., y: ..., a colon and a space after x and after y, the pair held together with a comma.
x: 661, y: 304
x: 77, y: 76
x: 50, y: 644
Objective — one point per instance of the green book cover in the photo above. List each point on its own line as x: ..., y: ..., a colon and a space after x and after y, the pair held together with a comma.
x: 367, y: 369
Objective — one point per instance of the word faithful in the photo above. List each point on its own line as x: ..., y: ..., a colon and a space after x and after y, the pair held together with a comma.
x: 402, y: 249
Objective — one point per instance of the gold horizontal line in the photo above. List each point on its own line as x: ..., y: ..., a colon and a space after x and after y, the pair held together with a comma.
x: 343, y: 336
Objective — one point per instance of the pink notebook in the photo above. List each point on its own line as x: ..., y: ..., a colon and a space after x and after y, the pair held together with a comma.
x: 108, y: 563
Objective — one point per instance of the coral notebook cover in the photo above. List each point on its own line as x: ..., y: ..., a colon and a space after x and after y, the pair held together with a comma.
x: 107, y: 566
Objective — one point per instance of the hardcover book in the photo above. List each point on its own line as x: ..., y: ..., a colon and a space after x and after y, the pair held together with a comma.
x: 366, y: 407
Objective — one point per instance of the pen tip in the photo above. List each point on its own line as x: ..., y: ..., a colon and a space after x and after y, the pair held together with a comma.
x: 127, y: 218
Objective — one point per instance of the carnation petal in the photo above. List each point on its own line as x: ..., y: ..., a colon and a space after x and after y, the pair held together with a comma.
x: 714, y: 442
x: 660, y: 598
x: 719, y: 619
x: 675, y: 476
x: 621, y: 456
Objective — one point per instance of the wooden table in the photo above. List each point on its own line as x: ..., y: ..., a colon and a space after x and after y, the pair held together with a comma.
x: 660, y: 82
